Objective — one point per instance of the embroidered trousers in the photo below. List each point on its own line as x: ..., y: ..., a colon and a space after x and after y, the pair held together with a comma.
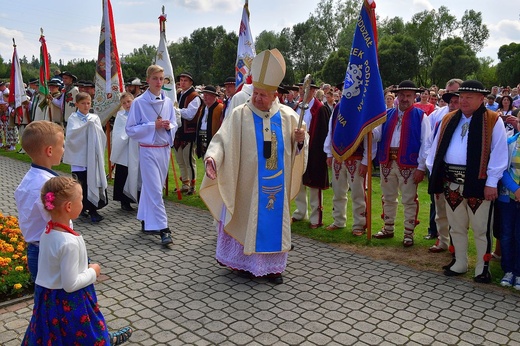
x: 393, y: 180
x: 185, y: 157
x: 344, y: 176
x: 463, y: 213
x: 316, y: 204
x: 441, y: 219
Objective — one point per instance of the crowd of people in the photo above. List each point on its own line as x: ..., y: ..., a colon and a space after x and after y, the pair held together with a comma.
x: 262, y: 146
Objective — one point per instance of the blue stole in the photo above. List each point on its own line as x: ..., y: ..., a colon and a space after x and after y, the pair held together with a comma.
x: 271, y: 187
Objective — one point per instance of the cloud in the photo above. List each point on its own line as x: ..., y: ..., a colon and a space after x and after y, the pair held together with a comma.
x: 506, y: 29
x: 421, y: 5
x: 226, y: 6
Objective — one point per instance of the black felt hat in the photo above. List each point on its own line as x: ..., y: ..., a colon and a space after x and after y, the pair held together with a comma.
x: 34, y: 81
x: 406, y: 85
x: 209, y: 89
x: 313, y: 84
x: 473, y: 86
x: 447, y: 96
x: 186, y: 74
x: 282, y: 89
x: 229, y: 80
x: 67, y: 73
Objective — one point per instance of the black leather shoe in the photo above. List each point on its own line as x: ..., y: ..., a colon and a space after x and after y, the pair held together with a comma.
x: 275, y: 278
x: 448, y: 266
x: 430, y: 237
x: 126, y: 207
x: 483, y: 278
x: 95, y: 217
x: 166, y: 236
x: 245, y: 274
x: 449, y: 272
x: 84, y: 213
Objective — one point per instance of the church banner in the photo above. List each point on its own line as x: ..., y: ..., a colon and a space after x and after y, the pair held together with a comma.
x: 245, y: 51
x: 109, y: 77
x: 362, y: 105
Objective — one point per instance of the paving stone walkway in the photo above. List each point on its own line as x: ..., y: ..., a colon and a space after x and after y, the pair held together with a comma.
x: 181, y: 296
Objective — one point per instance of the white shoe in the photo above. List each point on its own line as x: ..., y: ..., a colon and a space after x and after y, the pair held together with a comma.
x: 516, y: 286
x: 507, y: 280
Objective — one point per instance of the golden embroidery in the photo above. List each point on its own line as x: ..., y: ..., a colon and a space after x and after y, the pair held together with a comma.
x: 272, y: 162
x: 271, y: 191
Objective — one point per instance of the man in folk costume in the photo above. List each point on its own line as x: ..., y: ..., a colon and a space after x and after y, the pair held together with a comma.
x: 438, y: 227
x: 152, y: 122
x: 55, y: 113
x: 189, y: 112
x: 134, y: 86
x: 466, y: 160
x: 38, y: 105
x: 230, y: 89
x: 316, y: 177
x: 402, y: 158
x: 348, y: 175
x: 68, y: 95
x: 210, y: 120
x: 258, y: 152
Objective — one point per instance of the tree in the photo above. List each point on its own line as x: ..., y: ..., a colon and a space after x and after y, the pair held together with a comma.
x: 487, y: 73
x: 474, y: 33
x: 136, y: 63
x: 390, y: 26
x: 455, y: 59
x: 224, y: 58
x: 335, y: 67
x: 428, y: 29
x: 398, y: 59
x: 508, y: 69
x: 331, y: 15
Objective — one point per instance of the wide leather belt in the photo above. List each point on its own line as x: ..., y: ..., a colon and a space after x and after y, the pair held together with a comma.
x: 455, y: 173
x: 393, y: 153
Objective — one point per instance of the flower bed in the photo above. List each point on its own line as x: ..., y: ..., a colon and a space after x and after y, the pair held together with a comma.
x: 15, y: 279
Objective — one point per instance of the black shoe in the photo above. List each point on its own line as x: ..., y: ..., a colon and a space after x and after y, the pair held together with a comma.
x: 126, y: 207
x: 95, y: 217
x: 245, y: 274
x: 84, y: 213
x: 166, y: 236
x: 430, y: 237
x: 483, y: 278
x: 448, y: 266
x: 449, y: 272
x: 276, y: 279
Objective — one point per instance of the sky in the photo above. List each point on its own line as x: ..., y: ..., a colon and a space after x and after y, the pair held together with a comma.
x: 71, y: 28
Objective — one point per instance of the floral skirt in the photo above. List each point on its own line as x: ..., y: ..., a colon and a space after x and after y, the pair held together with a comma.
x: 61, y: 318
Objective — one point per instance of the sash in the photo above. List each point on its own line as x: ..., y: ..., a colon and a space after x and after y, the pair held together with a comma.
x: 271, y: 185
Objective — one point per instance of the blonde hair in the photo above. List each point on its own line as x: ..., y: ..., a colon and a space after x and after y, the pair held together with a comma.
x: 40, y: 134
x: 57, y: 191
x: 125, y: 95
x: 82, y: 96
x: 153, y: 69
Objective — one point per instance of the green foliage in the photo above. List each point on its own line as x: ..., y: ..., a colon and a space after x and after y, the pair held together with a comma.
x: 508, y: 69
x: 398, y: 59
x: 335, y: 66
x: 407, y: 50
x: 474, y: 33
x: 487, y: 73
x: 455, y: 58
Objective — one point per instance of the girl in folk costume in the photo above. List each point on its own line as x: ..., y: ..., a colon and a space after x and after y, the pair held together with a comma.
x: 120, y: 152
x: 66, y: 311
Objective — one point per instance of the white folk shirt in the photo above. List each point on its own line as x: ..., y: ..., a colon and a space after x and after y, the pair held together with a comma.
x: 456, y: 153
x: 63, y: 262
x: 32, y: 216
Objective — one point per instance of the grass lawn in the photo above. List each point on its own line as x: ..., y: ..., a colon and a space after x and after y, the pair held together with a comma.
x: 385, y: 249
